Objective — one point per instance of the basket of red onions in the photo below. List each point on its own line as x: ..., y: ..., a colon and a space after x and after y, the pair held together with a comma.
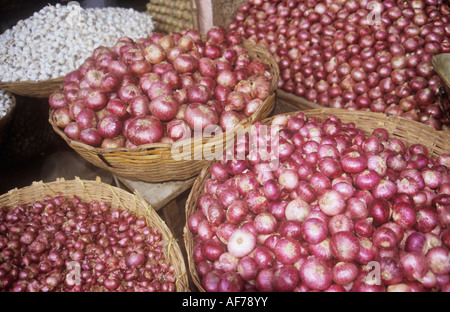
x: 360, y: 202
x: 359, y: 55
x: 85, y: 236
x: 126, y: 106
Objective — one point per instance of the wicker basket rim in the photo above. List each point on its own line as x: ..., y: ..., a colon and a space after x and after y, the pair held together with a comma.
x: 36, y: 82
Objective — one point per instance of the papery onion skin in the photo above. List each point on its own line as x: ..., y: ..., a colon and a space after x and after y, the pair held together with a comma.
x: 316, y: 273
x: 145, y: 130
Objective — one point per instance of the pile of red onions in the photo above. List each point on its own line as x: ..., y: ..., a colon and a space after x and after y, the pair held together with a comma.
x: 343, y: 211
x: 354, y: 54
x: 157, y: 89
x: 59, y: 244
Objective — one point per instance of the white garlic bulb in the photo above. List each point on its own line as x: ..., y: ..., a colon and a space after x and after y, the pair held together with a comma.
x: 57, y: 39
x: 6, y: 102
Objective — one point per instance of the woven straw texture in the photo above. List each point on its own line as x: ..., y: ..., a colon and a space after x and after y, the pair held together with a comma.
x: 154, y: 162
x: 224, y: 11
x: 173, y: 16
x: 6, y: 120
x: 296, y: 102
x: 410, y: 131
x: 115, y: 197
x: 36, y: 89
x: 441, y: 64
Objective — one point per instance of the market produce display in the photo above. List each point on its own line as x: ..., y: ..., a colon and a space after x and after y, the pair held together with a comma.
x: 359, y: 55
x: 160, y: 88
x: 343, y: 211
x: 64, y: 244
x: 300, y: 203
x: 57, y: 39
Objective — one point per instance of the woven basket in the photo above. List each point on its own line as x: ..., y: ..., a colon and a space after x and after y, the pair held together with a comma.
x: 173, y: 16
x: 441, y: 64
x: 397, y: 127
x: 224, y: 11
x: 6, y: 120
x: 36, y: 89
x: 115, y: 197
x: 154, y: 162
x: 295, y: 103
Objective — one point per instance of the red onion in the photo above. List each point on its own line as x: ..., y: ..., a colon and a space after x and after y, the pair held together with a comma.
x: 61, y: 117
x: 212, y: 279
x: 391, y: 271
x: 286, y: 278
x: 415, y: 265
x: 415, y: 242
x: 438, y: 259
x: 265, y: 223
x: 264, y: 280
x: 340, y: 223
x: 426, y: 220
x: 154, y: 53
x: 247, y: 268
x: 379, y: 210
x: 241, y: 243
x: 263, y: 257
x: 256, y: 202
x: 404, y: 215
x: 344, y: 273
x: 331, y: 203
x: 367, y: 179
x: 314, y: 230
x: 90, y: 136
x: 297, y: 210
x: 384, y: 238
x: 145, y: 130
x: 109, y: 126
x: 212, y: 249
x: 287, y: 250
x: 139, y: 106
x: 230, y: 282
x: 353, y: 162
x: 344, y: 246
x: 316, y: 274
x: 199, y: 116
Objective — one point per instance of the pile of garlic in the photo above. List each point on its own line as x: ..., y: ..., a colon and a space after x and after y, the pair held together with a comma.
x: 57, y: 39
x: 6, y: 102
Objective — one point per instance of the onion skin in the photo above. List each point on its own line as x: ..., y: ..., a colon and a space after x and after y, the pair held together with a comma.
x: 286, y: 278
x: 345, y: 246
x: 145, y: 130
x: 109, y: 126
x: 200, y: 116
x: 316, y: 274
